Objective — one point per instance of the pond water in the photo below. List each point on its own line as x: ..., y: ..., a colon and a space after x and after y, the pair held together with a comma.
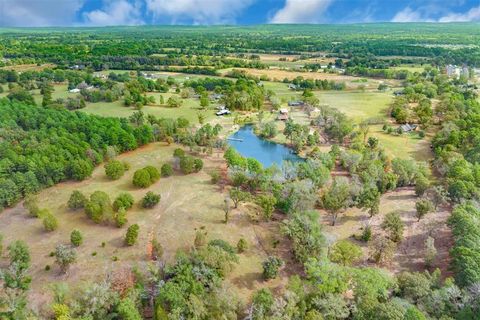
x: 267, y: 152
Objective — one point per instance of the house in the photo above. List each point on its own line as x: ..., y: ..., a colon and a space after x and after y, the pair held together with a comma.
x: 296, y: 103
x: 283, y: 114
x: 217, y: 96
x: 292, y: 86
x: 408, y: 127
x: 223, y: 112
x: 74, y: 90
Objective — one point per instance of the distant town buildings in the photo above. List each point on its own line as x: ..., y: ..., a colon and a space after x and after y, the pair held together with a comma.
x: 456, y: 71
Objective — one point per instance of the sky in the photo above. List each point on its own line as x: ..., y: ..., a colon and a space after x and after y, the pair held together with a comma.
x: 41, y: 13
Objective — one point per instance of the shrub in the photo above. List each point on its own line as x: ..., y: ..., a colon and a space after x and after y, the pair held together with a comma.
x: 153, y: 172
x: 31, y: 205
x: 77, y: 200
x: 197, y: 164
x: 215, y: 176
x: 423, y: 207
x: 99, y: 207
x: 166, y: 170
x: 271, y: 267
x: 345, y: 252
x: 187, y: 164
x: 124, y: 200
x: 141, y: 178
x: 145, y: 177
x: 200, y: 239
x: 366, y: 233
x: 393, y: 225
x: 121, y: 217
x: 150, y: 200
x: 179, y: 153
x: 76, y: 238
x: 242, y: 245
x: 224, y: 245
x: 132, y: 235
x: 50, y: 223
x: 114, y: 169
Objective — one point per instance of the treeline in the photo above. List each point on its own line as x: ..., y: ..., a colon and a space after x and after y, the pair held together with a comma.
x: 43, y: 146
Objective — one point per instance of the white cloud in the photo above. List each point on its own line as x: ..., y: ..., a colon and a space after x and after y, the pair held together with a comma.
x: 471, y: 15
x: 301, y: 11
x: 436, y: 14
x: 409, y: 15
x: 115, y: 13
x: 198, y: 11
x: 38, y: 13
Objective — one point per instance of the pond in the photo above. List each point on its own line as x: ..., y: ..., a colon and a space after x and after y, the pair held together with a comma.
x: 249, y: 145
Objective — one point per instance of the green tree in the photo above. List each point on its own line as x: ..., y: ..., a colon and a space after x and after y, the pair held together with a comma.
x: 336, y: 198
x: 393, y: 225
x: 166, y: 170
x: 121, y: 218
x: 370, y: 199
x: 77, y: 200
x: 127, y: 310
x: 150, y: 200
x: 271, y: 267
x: 124, y: 200
x: 242, y: 245
x: 64, y: 257
x: 423, y: 206
x: 114, y: 169
x: 50, y: 222
x: 267, y: 202
x: 132, y: 235
x: 76, y: 238
x: 421, y: 185
x: 31, y: 204
x: 237, y: 196
x: 345, y: 253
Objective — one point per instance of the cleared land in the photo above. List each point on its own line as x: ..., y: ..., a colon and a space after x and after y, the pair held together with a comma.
x: 410, y: 252
x: 188, y: 203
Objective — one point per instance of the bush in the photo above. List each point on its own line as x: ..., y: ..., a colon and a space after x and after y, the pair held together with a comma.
x: 121, y: 217
x: 99, y: 207
x: 141, y: 178
x: 178, y: 153
x: 114, y: 169
x: 124, y: 200
x: 215, y: 176
x: 153, y: 172
x: 242, y: 245
x: 145, y: 177
x: 423, y: 207
x: 166, y: 170
x: 271, y: 267
x: 197, y: 164
x: 77, y: 200
x: 150, y: 200
x: 187, y: 164
x: 31, y: 205
x: 50, y: 223
x: 132, y: 235
x: 76, y: 238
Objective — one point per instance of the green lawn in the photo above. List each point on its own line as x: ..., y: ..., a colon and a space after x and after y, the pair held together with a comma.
x: 189, y: 109
x: 403, y: 146
x: 356, y: 104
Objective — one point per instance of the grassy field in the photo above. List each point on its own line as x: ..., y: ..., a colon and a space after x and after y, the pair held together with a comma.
x: 187, y: 202
x: 189, y: 109
x: 357, y: 105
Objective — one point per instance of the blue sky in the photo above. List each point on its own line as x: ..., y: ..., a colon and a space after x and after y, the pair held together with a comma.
x: 28, y: 13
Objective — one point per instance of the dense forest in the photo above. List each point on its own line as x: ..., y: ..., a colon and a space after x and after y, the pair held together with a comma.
x: 133, y: 47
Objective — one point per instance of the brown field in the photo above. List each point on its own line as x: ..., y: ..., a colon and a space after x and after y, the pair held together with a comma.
x: 29, y: 67
x: 410, y: 252
x: 188, y: 203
